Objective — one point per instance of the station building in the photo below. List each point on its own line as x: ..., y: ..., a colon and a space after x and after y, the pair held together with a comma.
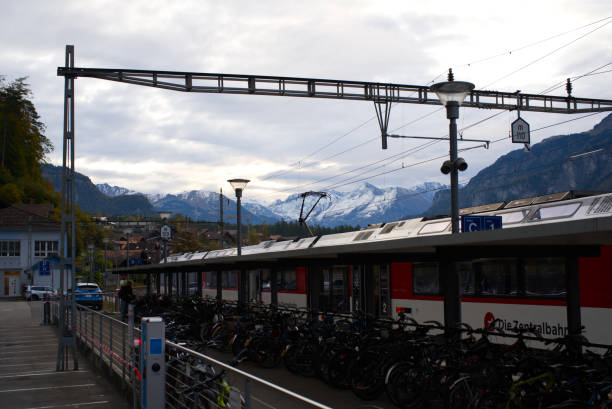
x: 28, y: 235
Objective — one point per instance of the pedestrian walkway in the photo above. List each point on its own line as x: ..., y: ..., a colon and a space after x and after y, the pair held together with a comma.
x: 28, y: 378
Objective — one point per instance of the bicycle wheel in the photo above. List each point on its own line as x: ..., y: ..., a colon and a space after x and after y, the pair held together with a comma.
x: 339, y: 371
x: 366, y: 380
x: 460, y: 395
x: 491, y: 400
x: 268, y: 352
x: 406, y: 387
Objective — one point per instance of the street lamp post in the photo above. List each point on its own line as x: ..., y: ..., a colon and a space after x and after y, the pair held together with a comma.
x: 451, y: 94
x: 238, y: 185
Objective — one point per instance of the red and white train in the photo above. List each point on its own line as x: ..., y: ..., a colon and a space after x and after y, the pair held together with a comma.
x: 384, y: 269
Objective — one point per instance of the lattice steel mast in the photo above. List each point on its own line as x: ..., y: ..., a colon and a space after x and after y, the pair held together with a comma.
x: 67, y: 253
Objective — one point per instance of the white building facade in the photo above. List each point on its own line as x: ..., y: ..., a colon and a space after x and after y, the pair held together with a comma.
x: 27, y: 236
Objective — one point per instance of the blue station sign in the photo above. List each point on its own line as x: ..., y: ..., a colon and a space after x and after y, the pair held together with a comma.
x: 478, y: 223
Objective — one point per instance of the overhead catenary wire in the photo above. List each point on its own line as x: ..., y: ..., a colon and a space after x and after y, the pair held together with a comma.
x: 505, y: 53
x: 546, y: 55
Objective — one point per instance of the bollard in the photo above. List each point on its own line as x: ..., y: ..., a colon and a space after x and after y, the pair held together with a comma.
x: 153, y: 364
x: 47, y: 313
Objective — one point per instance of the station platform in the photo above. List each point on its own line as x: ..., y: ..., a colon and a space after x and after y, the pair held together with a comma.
x: 28, y: 378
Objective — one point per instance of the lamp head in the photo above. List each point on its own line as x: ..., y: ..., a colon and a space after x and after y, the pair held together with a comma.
x: 452, y: 91
x: 447, y: 166
x: 461, y: 164
x: 238, y: 185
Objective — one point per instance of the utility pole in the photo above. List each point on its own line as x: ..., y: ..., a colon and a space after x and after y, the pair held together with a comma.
x: 221, y: 217
x: 3, y: 134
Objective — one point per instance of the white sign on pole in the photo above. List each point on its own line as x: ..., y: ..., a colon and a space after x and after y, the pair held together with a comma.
x: 165, y: 232
x: 520, y: 131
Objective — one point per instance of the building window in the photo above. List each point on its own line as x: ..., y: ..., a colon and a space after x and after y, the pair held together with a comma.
x: 425, y: 279
x: 45, y: 248
x: 10, y: 248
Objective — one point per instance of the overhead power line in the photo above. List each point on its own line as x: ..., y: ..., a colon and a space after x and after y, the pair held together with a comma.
x: 509, y: 52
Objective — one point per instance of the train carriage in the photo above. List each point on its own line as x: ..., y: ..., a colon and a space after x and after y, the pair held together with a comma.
x: 517, y: 275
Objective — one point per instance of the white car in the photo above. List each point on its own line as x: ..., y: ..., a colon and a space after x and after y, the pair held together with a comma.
x: 39, y: 292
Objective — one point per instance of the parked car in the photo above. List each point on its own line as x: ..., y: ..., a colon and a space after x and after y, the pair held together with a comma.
x: 88, y: 294
x: 39, y: 292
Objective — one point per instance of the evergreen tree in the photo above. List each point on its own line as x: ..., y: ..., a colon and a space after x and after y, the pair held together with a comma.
x: 23, y: 147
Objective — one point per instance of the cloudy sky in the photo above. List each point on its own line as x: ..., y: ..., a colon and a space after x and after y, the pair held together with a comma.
x: 154, y: 140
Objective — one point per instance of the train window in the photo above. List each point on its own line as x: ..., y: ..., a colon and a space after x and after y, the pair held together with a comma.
x: 211, y: 279
x: 513, y: 217
x: 498, y: 277
x: 266, y: 279
x: 466, y: 278
x: 553, y: 212
x: 436, y: 227
x: 288, y: 280
x: 425, y: 279
x: 545, y: 277
x: 228, y: 279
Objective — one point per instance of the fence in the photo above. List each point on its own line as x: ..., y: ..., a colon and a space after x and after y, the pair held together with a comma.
x: 193, y: 380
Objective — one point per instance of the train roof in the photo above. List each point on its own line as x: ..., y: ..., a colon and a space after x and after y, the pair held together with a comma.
x: 573, y: 220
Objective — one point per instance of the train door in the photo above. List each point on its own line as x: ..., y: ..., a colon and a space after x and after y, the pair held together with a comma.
x: 381, y: 290
x: 334, y: 290
x: 254, y: 286
x: 359, y: 291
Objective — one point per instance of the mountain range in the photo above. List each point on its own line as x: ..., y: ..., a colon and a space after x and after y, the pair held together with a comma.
x: 581, y: 161
x: 366, y: 204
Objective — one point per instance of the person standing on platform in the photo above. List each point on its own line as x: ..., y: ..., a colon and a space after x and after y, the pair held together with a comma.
x: 126, y: 296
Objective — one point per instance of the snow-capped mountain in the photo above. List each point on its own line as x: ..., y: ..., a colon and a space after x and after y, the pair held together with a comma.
x: 364, y: 205
x: 114, y: 191
x: 361, y: 206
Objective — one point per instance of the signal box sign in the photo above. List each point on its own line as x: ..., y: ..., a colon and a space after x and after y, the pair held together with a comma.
x: 165, y: 232
x: 478, y: 223
x: 520, y: 131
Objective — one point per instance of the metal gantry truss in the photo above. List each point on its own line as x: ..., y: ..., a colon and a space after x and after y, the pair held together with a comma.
x: 335, y: 89
x: 382, y: 94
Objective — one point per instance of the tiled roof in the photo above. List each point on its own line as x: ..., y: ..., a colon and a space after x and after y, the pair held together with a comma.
x: 22, y: 215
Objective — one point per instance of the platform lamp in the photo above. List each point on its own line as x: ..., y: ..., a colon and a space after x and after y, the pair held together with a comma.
x: 238, y: 185
x: 451, y: 94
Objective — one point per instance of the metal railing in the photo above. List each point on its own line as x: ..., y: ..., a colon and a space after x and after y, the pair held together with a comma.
x: 197, y: 380
x: 107, y: 341
x: 193, y: 380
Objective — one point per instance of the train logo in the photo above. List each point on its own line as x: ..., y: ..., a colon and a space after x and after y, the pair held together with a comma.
x: 488, y: 319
